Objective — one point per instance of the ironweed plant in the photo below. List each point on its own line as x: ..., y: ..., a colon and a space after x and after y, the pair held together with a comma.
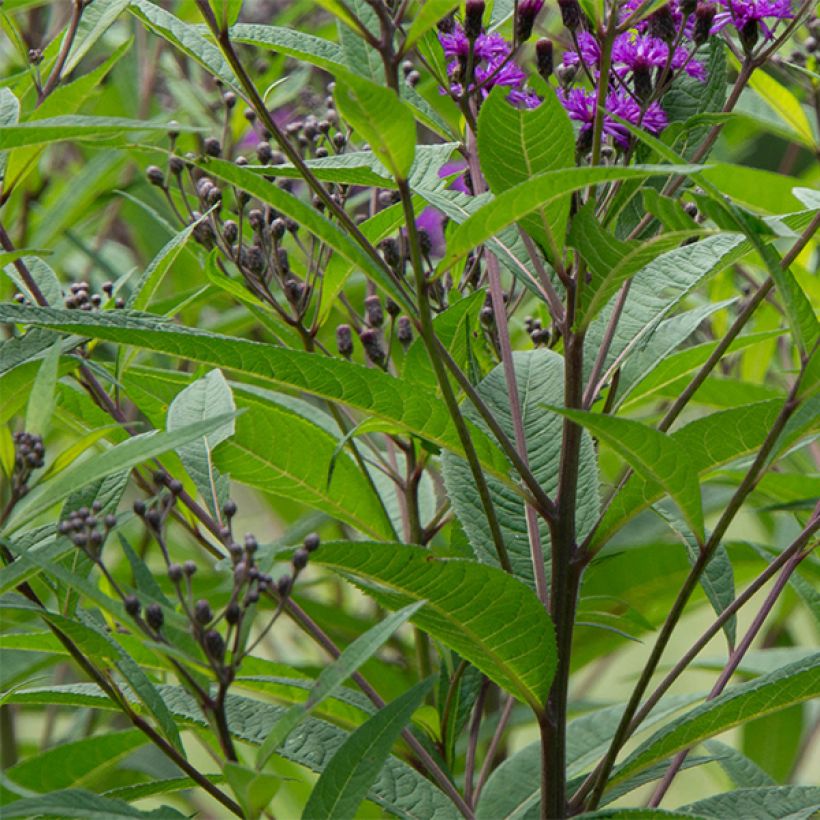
x: 409, y: 408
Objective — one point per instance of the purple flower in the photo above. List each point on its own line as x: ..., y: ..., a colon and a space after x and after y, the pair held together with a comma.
x: 740, y: 13
x: 640, y: 52
x: 588, y: 48
x: 487, y: 46
x: 580, y: 105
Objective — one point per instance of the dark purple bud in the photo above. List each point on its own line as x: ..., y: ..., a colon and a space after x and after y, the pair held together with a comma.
x: 390, y: 251
x: 570, y: 13
x: 311, y: 542
x: 300, y: 558
x: 233, y: 613
x: 202, y: 612
x: 189, y: 568
x: 544, y: 57
x: 284, y: 586
x: 527, y: 12
x: 154, y: 616
x: 139, y: 507
x: 404, y: 331
x: 110, y: 521
x: 155, y: 175
x: 704, y: 16
x: 473, y: 15
x: 251, y: 544
x: 175, y: 573
x: 175, y: 486
x: 372, y: 344
x: 231, y: 231
x: 132, y: 605
x: 642, y: 81
x: 662, y: 24
x: 749, y: 34
x: 344, y: 340
x: 215, y: 645
x: 374, y: 315
x: 229, y: 508
x: 212, y: 147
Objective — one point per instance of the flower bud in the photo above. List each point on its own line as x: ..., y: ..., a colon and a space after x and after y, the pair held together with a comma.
x: 704, y: 16
x: 570, y: 13
x: 390, y: 251
x: 749, y: 34
x: 374, y: 315
x: 212, y: 147
x: 215, y: 645
x: 233, y: 613
x: 284, y: 586
x: 229, y: 508
x: 371, y: 342
x: 311, y: 542
x: 473, y: 15
x: 300, y: 558
x: 189, y: 568
x: 544, y: 57
x: 202, y: 612
x: 344, y: 340
x: 404, y: 331
x: 662, y: 24
x: 155, y: 175
x: 154, y: 616
x: 132, y: 605
x: 527, y: 12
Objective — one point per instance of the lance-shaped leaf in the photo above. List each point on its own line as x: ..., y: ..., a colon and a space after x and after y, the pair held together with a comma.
x: 795, y: 683
x: 516, y: 144
x: 346, y: 779
x: 492, y: 620
x: 763, y: 803
x: 378, y: 115
x: 652, y: 454
x: 372, y: 391
x: 85, y: 804
x: 332, y: 677
x: 539, y: 192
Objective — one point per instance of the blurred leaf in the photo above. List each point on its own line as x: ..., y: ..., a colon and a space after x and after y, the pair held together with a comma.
x: 332, y: 677
x: 768, y: 803
x: 41, y: 399
x: 253, y: 789
x: 347, y: 777
x: 425, y: 20
x: 791, y: 684
x: 465, y: 604
x: 380, y: 118
x: 85, y: 804
x: 75, y: 127
x: 122, y: 456
x: 742, y: 771
x: 298, y: 44
x: 773, y: 741
x: 783, y: 103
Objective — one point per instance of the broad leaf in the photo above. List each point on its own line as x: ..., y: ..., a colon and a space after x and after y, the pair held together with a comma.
x: 369, y: 390
x: 540, y: 377
x: 377, y: 114
x: 767, y: 803
x: 466, y: 602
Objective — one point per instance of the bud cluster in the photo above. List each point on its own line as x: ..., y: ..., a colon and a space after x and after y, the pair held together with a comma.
x: 88, y: 529
x: 29, y: 455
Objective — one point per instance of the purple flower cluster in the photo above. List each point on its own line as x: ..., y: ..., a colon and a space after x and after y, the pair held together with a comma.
x: 492, y: 65
x: 742, y: 14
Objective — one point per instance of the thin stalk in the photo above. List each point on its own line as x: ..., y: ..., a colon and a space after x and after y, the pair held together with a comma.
x: 472, y: 742
x: 486, y: 766
x: 731, y: 666
x: 54, y: 78
x: 746, y: 486
x: 429, y: 336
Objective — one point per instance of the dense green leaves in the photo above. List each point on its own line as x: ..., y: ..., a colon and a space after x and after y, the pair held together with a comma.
x: 81, y: 803
x: 490, y: 619
x: 380, y: 395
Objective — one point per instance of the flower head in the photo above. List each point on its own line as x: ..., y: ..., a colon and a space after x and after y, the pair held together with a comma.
x: 745, y: 13
x: 641, y: 52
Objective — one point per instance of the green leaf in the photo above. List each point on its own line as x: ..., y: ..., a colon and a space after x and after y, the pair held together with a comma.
x: 146, y: 285
x: 708, y: 442
x: 372, y: 391
x: 791, y: 684
x: 253, y: 789
x: 743, y: 772
x: 41, y: 399
x: 768, y: 803
x: 74, y: 127
x: 308, y: 218
x: 347, y: 777
x: 277, y: 448
x: 540, y: 191
x: 636, y: 814
x: 204, y: 399
x: 298, y: 44
x: 85, y: 804
x: 399, y: 788
x: 425, y: 20
x: 465, y: 604
x: 515, y: 145
x: 332, y: 677
x: 651, y: 454
x: 612, y: 262
x: 540, y: 378
x: 186, y: 38
x: 122, y: 456
x: 377, y: 114
x: 75, y: 764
